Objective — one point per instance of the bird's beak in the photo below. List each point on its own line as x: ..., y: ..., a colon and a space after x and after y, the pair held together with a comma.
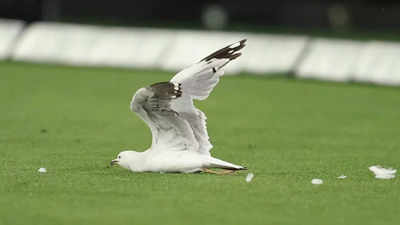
x: 114, y: 162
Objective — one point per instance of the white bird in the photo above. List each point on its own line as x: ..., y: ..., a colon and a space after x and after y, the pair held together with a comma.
x: 180, y: 141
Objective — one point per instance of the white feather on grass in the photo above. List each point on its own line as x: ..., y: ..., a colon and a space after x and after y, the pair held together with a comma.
x: 42, y: 170
x: 383, y: 173
x: 249, y: 177
x: 317, y: 181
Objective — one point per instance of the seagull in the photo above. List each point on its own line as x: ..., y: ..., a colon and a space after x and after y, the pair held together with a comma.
x: 180, y: 141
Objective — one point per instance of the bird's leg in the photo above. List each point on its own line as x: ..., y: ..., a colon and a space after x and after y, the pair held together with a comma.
x: 223, y: 172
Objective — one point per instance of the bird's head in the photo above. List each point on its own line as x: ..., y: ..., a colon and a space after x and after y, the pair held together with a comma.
x: 125, y: 159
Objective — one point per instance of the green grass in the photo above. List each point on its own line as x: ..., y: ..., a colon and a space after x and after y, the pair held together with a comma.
x: 73, y: 121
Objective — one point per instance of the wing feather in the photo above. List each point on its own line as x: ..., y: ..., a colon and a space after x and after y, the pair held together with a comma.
x: 197, y: 82
x: 168, y: 109
x: 169, y: 130
x: 199, y: 79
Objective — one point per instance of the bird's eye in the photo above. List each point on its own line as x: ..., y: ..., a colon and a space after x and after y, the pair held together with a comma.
x: 119, y: 157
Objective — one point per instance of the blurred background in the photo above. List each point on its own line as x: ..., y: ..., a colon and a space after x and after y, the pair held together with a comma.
x: 213, y: 14
x: 320, y: 39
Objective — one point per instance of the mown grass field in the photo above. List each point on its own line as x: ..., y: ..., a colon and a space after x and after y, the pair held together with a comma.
x: 73, y: 121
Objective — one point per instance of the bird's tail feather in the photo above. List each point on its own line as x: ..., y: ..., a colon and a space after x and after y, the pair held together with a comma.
x: 217, y: 163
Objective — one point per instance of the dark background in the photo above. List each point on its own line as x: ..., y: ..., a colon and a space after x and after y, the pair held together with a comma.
x: 330, y: 14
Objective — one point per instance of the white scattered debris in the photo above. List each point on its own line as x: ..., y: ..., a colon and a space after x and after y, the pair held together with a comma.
x: 382, y: 173
x: 42, y: 170
x: 249, y: 177
x: 317, y: 181
x: 342, y: 177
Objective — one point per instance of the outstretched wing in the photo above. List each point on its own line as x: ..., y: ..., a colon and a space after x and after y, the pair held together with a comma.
x: 168, y: 109
x: 199, y: 79
x: 169, y: 129
x: 197, y: 82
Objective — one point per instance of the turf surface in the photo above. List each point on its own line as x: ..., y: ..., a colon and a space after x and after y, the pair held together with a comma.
x: 73, y: 121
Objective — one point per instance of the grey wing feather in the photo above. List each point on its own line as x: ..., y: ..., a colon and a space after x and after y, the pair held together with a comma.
x: 166, y: 90
x: 163, y: 93
x: 197, y: 121
x: 169, y: 129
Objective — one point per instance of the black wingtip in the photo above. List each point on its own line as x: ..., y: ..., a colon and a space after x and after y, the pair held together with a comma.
x: 167, y: 89
x: 242, y: 43
x: 229, y: 52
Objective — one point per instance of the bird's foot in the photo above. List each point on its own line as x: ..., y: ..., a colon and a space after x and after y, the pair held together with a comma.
x: 223, y: 172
